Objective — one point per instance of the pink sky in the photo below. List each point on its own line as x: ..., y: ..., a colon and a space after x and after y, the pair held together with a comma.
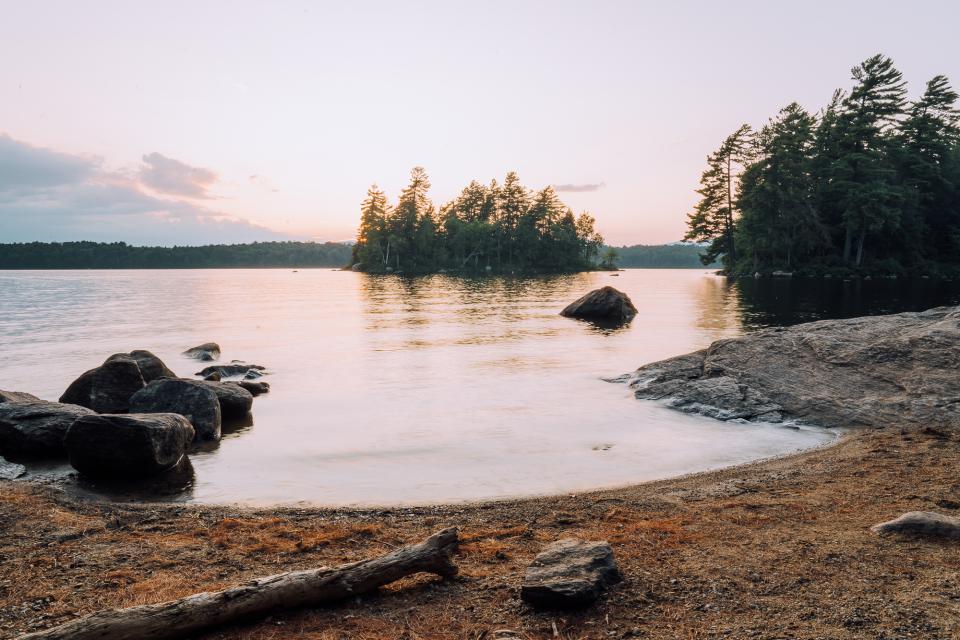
x: 194, y: 122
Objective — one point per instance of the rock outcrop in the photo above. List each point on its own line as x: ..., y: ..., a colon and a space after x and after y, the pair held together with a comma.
x: 36, y: 429
x: 926, y: 524
x: 196, y: 403
x: 874, y: 371
x: 126, y: 446
x: 605, y: 305
x: 206, y: 352
x: 569, y: 573
x: 11, y: 470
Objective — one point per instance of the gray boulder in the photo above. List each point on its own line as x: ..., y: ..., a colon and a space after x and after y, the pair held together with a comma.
x: 36, y: 429
x: 606, y: 305
x: 207, y: 352
x: 873, y: 371
x: 231, y: 370
x: 235, y: 401
x: 569, y: 573
x: 107, y: 388
x: 196, y: 403
x: 121, y: 446
x: 925, y: 524
x: 151, y: 367
x: 255, y: 388
x: 17, y: 396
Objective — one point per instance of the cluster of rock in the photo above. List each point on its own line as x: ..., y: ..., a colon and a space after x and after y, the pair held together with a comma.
x: 129, y: 417
x: 872, y: 371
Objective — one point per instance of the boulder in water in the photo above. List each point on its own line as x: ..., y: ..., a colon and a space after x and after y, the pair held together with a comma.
x: 196, y: 403
x: 569, y: 573
x: 607, y: 305
x: 107, y: 388
x: 17, y: 396
x: 231, y: 370
x: 206, y: 352
x: 121, y: 446
x: 151, y: 367
x: 36, y: 429
x: 255, y: 388
x: 235, y: 401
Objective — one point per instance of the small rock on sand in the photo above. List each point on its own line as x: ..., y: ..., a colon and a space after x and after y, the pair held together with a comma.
x: 927, y: 524
x: 569, y: 573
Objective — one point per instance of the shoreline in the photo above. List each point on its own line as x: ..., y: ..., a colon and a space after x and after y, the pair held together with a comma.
x: 750, y: 550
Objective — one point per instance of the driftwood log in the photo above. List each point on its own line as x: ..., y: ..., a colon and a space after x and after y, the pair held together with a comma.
x: 179, y: 618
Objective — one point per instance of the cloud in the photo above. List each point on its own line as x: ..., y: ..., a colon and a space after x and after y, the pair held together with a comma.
x: 263, y: 182
x: 51, y: 196
x: 578, y: 188
x: 172, y: 177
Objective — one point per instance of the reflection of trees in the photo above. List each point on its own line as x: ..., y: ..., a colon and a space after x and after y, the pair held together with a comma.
x: 717, y: 307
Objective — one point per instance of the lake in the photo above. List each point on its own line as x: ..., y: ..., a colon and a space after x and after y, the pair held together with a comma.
x: 389, y: 390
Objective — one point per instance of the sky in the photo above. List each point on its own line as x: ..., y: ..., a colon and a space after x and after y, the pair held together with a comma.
x: 205, y: 121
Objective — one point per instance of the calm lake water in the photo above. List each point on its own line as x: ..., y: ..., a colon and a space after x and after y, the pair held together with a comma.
x: 391, y: 390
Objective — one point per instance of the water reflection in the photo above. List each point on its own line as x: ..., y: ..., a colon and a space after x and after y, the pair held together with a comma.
x: 396, y: 389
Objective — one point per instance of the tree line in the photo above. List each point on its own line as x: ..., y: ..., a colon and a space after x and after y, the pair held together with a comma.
x: 869, y: 184
x: 663, y: 256
x: 495, y: 227
x: 120, y: 255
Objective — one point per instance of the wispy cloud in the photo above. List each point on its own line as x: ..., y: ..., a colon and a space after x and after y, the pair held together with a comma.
x: 578, y: 188
x: 53, y: 196
x: 173, y: 177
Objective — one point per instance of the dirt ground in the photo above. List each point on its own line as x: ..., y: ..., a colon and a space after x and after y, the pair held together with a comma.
x: 776, y: 549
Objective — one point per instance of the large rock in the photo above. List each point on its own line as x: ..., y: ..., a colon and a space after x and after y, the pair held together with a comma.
x: 231, y: 370
x: 235, y: 401
x: 151, y: 367
x: 196, y: 403
x: 36, y: 429
x: 17, y: 396
x: 899, y: 370
x: 127, y: 445
x: 206, y: 352
x: 569, y: 573
x: 107, y: 388
x: 255, y: 388
x: 925, y: 524
x: 605, y: 305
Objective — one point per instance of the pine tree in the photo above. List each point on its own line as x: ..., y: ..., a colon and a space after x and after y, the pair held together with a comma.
x: 372, y: 239
x: 864, y: 172
x: 714, y: 217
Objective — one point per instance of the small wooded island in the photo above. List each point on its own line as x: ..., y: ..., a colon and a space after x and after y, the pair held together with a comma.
x: 496, y: 228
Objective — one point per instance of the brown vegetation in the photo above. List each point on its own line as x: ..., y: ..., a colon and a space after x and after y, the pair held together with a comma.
x: 780, y: 548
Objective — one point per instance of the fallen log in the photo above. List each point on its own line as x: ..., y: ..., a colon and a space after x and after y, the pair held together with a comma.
x: 313, y: 587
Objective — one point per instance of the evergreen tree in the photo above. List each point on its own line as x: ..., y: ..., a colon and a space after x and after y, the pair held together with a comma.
x: 713, y: 219
x: 372, y: 246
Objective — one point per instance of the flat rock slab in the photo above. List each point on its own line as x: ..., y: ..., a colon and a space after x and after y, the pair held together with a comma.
x: 927, y: 524
x: 231, y: 370
x: 126, y: 446
x: 604, y: 305
x: 569, y: 573
x: 196, y: 403
x: 875, y: 371
x: 36, y: 429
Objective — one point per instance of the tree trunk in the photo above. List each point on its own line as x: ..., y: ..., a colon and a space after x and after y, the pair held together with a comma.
x: 860, y: 241
x: 847, y: 244
x: 313, y: 587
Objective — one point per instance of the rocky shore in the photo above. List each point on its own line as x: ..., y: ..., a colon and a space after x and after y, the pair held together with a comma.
x: 780, y: 548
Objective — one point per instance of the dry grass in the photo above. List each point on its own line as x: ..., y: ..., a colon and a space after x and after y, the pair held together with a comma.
x: 774, y: 550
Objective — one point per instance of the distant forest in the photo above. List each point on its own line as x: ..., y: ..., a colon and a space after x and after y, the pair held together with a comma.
x: 501, y: 228
x: 120, y: 255
x: 870, y: 184
x: 662, y: 256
